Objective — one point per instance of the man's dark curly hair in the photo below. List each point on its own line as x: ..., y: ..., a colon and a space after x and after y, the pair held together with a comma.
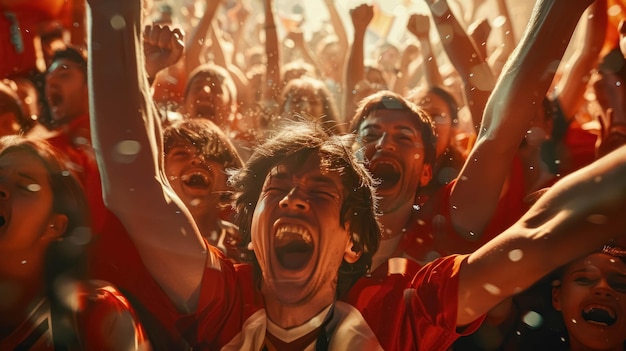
x: 294, y: 143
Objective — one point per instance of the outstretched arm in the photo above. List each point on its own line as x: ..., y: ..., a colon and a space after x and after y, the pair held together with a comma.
x: 510, y: 108
x: 478, y: 80
x: 126, y: 137
x: 578, y: 215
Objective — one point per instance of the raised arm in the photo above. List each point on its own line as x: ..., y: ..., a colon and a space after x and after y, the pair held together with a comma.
x: 577, y: 70
x: 273, y: 84
x: 419, y: 25
x: 498, y: 58
x: 196, y: 42
x: 512, y: 105
x: 478, y: 80
x: 355, y: 65
x: 578, y: 215
x: 127, y: 140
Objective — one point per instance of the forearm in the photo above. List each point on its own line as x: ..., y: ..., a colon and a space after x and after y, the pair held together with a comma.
x: 196, y: 42
x: 273, y: 83
x: 577, y: 216
x: 430, y: 65
x: 578, y: 68
x: 126, y: 139
x: 511, y: 106
x: 467, y: 60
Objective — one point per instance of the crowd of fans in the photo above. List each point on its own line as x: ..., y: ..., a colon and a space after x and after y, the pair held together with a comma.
x: 216, y: 175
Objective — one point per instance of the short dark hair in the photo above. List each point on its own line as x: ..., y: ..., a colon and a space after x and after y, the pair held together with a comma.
x: 389, y: 100
x: 205, y: 135
x: 298, y: 140
x: 74, y: 54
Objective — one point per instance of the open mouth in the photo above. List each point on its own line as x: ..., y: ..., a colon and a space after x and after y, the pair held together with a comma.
x: 600, y: 315
x: 2, y: 221
x: 54, y: 99
x: 196, y: 180
x: 293, y: 246
x: 387, y: 173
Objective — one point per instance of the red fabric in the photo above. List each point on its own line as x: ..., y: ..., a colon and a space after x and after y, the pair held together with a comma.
x: 102, y: 308
x: 227, y: 297
x: 580, y: 147
x: 413, y: 311
x: 74, y: 141
x: 28, y: 16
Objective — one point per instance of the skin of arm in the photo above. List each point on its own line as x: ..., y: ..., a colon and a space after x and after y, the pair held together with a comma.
x: 498, y: 58
x: 419, y: 25
x: 273, y: 83
x: 126, y: 138
x: 520, y: 89
x: 411, y: 53
x: 564, y: 224
x: 355, y: 69
x: 297, y: 36
x: 478, y: 79
x: 195, y: 45
x: 571, y: 88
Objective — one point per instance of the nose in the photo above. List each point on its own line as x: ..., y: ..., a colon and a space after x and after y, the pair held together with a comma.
x: 198, y: 159
x: 385, y: 143
x: 294, y: 200
x: 602, y: 288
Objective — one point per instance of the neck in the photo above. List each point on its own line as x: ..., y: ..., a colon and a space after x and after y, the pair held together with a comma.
x: 293, y: 315
x: 394, y: 221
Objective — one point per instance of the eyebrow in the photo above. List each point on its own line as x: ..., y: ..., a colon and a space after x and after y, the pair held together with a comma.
x: 319, y: 180
x: 400, y: 128
x: 29, y: 177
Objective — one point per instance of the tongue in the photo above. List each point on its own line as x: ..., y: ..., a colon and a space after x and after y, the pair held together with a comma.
x: 598, y: 316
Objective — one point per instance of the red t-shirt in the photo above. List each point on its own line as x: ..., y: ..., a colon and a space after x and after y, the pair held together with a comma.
x: 99, y: 306
x: 413, y: 311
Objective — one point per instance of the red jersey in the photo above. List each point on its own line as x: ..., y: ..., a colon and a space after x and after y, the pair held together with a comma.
x: 412, y: 311
x: 98, y: 307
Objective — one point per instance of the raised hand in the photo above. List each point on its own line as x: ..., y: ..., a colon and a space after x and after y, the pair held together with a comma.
x: 419, y: 25
x: 361, y: 16
x: 162, y: 47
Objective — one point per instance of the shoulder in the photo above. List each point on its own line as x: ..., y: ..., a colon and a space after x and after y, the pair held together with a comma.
x: 105, y: 318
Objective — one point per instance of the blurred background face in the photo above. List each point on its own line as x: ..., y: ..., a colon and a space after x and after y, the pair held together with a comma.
x: 198, y: 179
x: 439, y: 111
x: 66, y: 91
x: 592, y: 299
x: 208, y: 98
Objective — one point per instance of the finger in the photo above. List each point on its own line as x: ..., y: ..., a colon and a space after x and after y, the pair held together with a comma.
x: 164, y: 38
x: 179, y: 36
x: 153, y: 36
x: 146, y: 32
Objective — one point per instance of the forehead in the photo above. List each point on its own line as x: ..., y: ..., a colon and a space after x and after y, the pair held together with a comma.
x: 65, y: 65
x: 601, y: 261
x: 309, y: 169
x: 390, y: 119
x: 23, y: 162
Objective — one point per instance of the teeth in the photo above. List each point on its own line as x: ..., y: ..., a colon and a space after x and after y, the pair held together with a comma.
x: 600, y: 307
x: 306, y: 236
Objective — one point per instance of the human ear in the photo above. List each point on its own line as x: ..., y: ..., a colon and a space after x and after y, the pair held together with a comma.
x: 57, y: 225
x: 556, y: 297
x: 427, y: 174
x: 352, y: 252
